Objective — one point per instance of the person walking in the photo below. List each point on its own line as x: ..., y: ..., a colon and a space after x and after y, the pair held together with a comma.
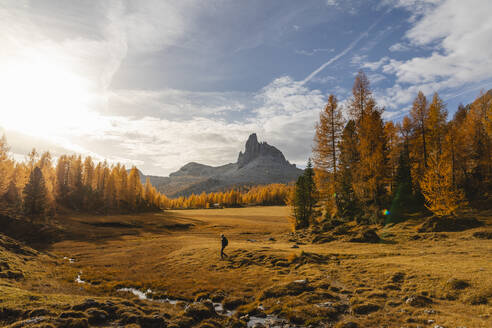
x: 225, y: 242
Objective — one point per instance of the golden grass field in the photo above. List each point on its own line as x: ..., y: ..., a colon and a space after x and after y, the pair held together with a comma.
x: 439, y: 279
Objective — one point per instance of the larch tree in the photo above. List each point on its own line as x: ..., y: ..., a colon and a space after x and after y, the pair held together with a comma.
x: 369, y: 180
x: 134, y: 187
x: 441, y: 195
x: 436, y: 124
x: 6, y: 165
x: 361, y: 96
x: 325, y: 151
x: 394, y: 150
x: 419, y: 115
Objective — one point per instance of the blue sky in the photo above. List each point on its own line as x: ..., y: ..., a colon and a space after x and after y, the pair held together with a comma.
x: 160, y: 83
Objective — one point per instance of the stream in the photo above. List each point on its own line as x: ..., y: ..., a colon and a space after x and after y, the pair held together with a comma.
x: 269, y: 320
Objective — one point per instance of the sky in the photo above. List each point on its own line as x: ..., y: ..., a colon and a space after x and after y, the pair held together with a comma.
x: 158, y: 84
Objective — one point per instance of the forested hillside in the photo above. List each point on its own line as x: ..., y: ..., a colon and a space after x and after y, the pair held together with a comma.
x: 376, y: 170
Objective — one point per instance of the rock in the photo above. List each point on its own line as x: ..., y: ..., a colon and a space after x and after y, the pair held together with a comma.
x: 365, y: 308
x: 366, y: 236
x: 418, y: 301
x: 254, y: 149
x: 260, y: 163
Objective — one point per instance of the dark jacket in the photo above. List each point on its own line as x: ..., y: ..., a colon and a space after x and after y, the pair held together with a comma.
x: 225, y: 242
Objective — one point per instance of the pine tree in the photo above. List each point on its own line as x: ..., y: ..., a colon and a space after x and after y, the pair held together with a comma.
x: 35, y: 194
x: 346, y: 201
x: 403, y: 199
x: 304, y: 198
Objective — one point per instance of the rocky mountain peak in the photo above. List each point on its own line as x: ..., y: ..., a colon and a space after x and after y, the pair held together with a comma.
x: 255, y: 149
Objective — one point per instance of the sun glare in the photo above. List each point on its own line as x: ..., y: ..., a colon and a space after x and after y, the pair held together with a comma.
x: 43, y: 97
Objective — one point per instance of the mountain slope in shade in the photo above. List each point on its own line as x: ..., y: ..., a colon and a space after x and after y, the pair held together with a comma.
x: 260, y: 163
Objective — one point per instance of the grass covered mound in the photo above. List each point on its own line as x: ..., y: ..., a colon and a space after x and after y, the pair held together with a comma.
x: 448, y: 224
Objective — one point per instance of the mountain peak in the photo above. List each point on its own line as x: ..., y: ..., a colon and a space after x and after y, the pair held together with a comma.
x: 254, y: 149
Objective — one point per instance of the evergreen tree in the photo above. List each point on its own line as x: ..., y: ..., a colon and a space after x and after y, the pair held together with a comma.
x: 403, y: 198
x: 347, y: 205
x: 35, y: 194
x: 304, y: 198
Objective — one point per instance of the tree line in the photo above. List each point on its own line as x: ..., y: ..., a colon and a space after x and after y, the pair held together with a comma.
x: 265, y: 195
x: 38, y: 189
x: 375, y: 171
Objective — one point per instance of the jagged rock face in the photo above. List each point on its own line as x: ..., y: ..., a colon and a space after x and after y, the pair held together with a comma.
x: 259, y: 164
x: 254, y: 149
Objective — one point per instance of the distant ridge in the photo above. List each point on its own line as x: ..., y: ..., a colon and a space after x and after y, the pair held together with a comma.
x: 260, y: 163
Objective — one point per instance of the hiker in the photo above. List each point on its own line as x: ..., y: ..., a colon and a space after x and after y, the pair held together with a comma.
x: 225, y: 242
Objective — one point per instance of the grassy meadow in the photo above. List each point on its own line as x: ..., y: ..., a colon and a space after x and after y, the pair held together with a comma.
x: 408, y: 279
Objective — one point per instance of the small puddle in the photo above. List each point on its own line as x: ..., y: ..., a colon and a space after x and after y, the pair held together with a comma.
x: 145, y: 295
x: 79, y: 279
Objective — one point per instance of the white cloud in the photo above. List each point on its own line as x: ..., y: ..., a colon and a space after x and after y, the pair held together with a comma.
x: 314, y: 51
x: 376, y: 65
x: 398, y: 47
x: 461, y: 34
